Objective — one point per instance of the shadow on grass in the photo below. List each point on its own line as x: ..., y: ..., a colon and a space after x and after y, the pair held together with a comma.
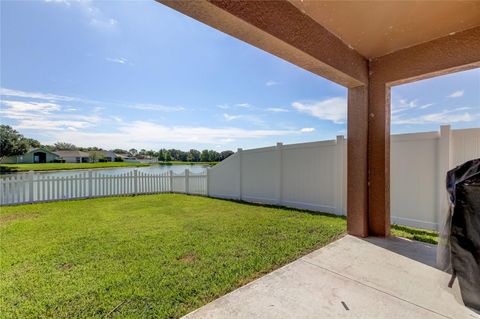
x: 415, y: 231
x: 293, y: 209
x: 421, y: 235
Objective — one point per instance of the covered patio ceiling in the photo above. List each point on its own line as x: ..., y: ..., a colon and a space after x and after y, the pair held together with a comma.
x: 375, y: 28
x: 366, y: 46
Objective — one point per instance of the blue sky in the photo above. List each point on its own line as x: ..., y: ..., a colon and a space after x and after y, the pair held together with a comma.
x: 138, y: 74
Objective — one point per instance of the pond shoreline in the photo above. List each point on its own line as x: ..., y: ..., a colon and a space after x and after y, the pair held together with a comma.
x: 6, y: 169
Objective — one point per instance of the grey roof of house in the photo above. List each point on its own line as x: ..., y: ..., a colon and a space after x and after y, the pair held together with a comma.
x: 72, y: 154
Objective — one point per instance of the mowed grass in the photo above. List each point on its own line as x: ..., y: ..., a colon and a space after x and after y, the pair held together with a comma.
x: 426, y: 236
x: 156, y: 256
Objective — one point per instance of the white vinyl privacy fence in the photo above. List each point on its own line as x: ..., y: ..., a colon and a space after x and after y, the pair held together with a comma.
x: 307, y: 175
x: 31, y: 187
x: 313, y: 175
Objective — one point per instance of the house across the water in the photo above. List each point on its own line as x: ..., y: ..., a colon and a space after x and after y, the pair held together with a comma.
x: 74, y: 156
x: 34, y: 155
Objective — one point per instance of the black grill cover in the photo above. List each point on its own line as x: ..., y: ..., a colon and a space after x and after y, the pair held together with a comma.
x: 463, y: 186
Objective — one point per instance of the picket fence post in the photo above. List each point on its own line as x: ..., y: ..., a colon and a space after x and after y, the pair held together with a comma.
x: 90, y: 183
x: 187, y: 181
x: 30, y: 186
x: 135, y: 182
x: 171, y: 181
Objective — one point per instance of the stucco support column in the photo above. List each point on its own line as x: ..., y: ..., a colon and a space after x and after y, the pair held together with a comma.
x: 378, y: 157
x: 357, y: 164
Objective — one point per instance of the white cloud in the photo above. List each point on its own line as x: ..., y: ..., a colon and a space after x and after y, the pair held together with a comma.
x: 21, y: 106
x: 228, y: 106
x: 307, y: 130
x: 44, y: 115
x: 35, y: 95
x: 157, y: 107
x: 445, y: 117
x: 117, y: 60
x: 229, y: 117
x: 425, y: 106
x: 271, y: 83
x: 402, y: 105
x: 52, y: 125
x: 150, y: 135
x: 95, y: 17
x: 458, y: 93
x: 65, y: 2
x: 333, y: 109
x: 245, y: 105
x: 277, y: 109
x: 249, y: 118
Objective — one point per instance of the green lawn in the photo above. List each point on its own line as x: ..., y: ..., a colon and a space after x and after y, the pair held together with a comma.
x: 427, y: 236
x: 145, y: 256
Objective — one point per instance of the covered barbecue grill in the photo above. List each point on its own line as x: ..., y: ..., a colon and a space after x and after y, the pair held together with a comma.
x: 460, y: 242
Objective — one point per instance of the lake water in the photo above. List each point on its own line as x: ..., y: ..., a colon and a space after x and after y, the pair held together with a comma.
x: 153, y: 169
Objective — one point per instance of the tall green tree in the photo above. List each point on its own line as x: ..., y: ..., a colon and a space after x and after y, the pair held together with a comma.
x: 225, y: 154
x: 194, y: 155
x: 33, y: 143
x: 204, y: 156
x: 63, y: 146
x: 13, y: 143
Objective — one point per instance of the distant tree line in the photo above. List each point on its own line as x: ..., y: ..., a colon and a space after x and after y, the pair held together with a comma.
x: 13, y: 143
x: 163, y: 155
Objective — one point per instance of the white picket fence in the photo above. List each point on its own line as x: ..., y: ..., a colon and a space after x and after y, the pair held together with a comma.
x: 36, y: 187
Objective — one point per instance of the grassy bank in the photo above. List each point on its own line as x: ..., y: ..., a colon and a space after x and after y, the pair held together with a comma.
x: 187, y: 163
x: 64, y: 166
x: 145, y: 256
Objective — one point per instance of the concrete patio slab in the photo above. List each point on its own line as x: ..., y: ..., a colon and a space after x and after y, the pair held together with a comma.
x: 350, y: 278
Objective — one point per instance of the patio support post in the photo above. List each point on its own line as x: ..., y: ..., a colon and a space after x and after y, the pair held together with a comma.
x: 357, y: 164
x: 378, y: 158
